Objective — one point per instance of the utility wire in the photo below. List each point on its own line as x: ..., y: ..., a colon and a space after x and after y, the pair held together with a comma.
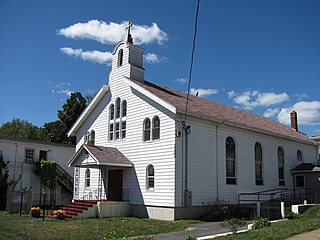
x: 192, y: 57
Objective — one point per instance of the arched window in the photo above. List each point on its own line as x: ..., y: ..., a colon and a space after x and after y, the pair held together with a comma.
x: 231, y: 161
x: 258, y: 163
x: 281, y: 166
x: 118, y: 103
x: 92, y: 137
x: 150, y: 177
x: 111, y: 112
x: 146, y: 130
x: 120, y: 58
x: 124, y: 108
x: 87, y: 183
x: 299, y: 156
x: 155, y: 128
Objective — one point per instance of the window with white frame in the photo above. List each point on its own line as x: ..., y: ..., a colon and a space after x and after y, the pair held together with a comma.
x: 124, y: 108
x: 258, y: 164
x: 123, y: 129
x: 29, y: 155
x: 87, y: 178
x: 92, y: 137
x: 111, y: 111
x: 281, y: 166
x: 120, y: 57
x: 117, y: 120
x: 299, y: 156
x: 146, y: 130
x: 150, y: 177
x: 230, y: 161
x: 155, y: 128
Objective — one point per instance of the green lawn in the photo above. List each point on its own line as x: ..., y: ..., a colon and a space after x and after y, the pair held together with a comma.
x: 309, y: 221
x: 107, y: 228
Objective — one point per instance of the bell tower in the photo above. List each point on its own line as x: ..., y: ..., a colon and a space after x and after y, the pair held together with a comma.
x: 127, y: 60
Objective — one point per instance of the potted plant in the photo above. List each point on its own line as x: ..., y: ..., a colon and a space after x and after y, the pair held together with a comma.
x: 59, y: 214
x: 35, y: 212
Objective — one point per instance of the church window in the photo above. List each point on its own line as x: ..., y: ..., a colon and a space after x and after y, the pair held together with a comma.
x: 281, y: 166
x: 150, y: 178
x: 111, y: 112
x: 146, y: 130
x: 299, y: 156
x: 230, y: 161
x: 118, y: 103
x: 111, y: 130
x: 258, y: 163
x: 92, y: 137
x: 120, y: 58
x: 155, y: 128
x: 124, y: 108
x: 123, y: 129
x: 117, y: 130
x: 87, y: 179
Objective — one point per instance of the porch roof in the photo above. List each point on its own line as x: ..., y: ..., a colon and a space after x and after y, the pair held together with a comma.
x: 305, y: 167
x: 106, y: 156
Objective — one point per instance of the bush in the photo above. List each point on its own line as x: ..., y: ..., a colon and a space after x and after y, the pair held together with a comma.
x: 261, y: 223
x: 233, y: 224
x: 292, y: 215
x: 190, y: 238
x: 222, y: 210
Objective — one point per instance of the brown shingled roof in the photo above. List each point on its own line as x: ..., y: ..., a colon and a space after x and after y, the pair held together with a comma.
x: 109, y: 156
x: 220, y: 112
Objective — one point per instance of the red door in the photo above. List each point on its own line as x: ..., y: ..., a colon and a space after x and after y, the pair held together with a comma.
x: 115, y: 185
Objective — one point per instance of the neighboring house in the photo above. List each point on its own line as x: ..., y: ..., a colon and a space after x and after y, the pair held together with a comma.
x: 135, y: 143
x: 23, y: 156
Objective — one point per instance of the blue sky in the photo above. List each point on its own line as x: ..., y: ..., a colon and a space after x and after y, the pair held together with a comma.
x: 261, y: 56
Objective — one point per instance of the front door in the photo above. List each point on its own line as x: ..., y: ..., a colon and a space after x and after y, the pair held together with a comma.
x: 115, y: 185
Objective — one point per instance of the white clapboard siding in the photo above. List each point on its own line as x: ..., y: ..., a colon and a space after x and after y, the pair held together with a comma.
x: 202, y: 165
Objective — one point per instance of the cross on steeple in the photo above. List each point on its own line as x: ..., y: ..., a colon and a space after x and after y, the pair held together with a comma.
x: 129, y: 39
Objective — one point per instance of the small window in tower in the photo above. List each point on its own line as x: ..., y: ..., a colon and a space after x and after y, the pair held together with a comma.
x: 124, y: 108
x: 120, y: 58
x: 118, y: 103
x: 117, y: 130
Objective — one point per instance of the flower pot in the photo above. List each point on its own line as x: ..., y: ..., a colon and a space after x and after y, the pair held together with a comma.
x: 60, y: 217
x: 35, y: 214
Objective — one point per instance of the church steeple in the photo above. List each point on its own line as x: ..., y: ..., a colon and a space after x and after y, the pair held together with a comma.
x: 127, y: 59
x: 129, y: 38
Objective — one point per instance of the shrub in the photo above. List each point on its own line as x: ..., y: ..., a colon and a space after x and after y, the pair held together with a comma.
x: 292, y: 215
x: 233, y: 224
x: 261, y: 223
x: 190, y: 238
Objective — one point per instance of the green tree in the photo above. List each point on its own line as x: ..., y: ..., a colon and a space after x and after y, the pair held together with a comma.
x: 4, y: 174
x: 48, y: 176
x: 71, y: 110
x: 22, y: 129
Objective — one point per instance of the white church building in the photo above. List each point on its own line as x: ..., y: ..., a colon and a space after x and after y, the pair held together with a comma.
x: 135, y: 144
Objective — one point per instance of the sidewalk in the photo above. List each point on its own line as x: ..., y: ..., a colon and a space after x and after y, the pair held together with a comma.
x: 308, y: 235
x: 200, y: 230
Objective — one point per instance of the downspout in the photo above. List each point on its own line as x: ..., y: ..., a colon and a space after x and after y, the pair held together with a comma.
x: 217, y: 160
x: 15, y: 163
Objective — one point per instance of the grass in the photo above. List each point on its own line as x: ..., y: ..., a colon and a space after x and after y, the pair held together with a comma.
x: 6, y: 216
x: 107, y: 228
x: 309, y: 221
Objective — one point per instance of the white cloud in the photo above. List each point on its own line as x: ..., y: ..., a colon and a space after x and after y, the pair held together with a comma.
x: 62, y: 88
x: 271, y: 112
x: 203, y: 92
x: 182, y: 81
x: 154, y: 58
x: 232, y: 94
x: 308, y: 113
x: 301, y: 96
x: 252, y: 99
x: 111, y: 33
x: 93, y: 56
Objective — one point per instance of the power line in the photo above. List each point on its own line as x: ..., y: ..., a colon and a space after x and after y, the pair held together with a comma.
x: 192, y: 57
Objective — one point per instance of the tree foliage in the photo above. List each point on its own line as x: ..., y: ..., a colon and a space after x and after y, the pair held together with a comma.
x: 71, y: 110
x: 22, y: 129
x: 55, y: 131
x: 4, y: 174
x: 48, y: 176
